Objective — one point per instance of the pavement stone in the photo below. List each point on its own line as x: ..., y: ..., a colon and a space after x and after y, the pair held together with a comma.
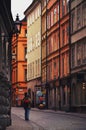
x: 82, y: 115
x: 19, y: 124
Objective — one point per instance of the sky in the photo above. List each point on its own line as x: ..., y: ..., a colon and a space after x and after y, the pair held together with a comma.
x: 19, y: 6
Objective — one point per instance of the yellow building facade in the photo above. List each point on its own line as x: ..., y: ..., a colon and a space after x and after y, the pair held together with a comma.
x: 33, y: 14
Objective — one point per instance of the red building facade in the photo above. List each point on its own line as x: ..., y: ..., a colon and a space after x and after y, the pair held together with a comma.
x: 52, y: 52
x: 56, y: 62
x: 64, y: 55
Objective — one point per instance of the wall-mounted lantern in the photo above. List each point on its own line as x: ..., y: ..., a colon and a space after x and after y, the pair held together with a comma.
x: 18, y: 24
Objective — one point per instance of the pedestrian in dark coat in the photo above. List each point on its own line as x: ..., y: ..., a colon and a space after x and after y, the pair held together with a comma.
x: 27, y: 106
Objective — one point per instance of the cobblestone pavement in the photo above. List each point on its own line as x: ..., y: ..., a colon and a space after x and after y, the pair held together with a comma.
x: 47, y: 120
x: 19, y: 124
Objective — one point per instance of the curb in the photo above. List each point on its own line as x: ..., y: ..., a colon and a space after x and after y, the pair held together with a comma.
x: 60, y: 112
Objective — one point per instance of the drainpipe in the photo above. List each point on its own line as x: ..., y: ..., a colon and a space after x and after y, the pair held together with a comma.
x: 17, y: 69
x: 70, y: 53
x: 41, y: 41
x: 46, y: 62
x: 59, y: 62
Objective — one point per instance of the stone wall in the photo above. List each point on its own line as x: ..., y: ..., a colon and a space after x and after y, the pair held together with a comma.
x: 5, y: 104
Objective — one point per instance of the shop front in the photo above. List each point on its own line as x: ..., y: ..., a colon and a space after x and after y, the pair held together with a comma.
x: 78, y: 93
x: 53, y: 95
x: 65, y: 94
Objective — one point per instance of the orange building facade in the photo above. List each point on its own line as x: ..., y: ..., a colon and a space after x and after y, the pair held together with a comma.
x: 19, y: 65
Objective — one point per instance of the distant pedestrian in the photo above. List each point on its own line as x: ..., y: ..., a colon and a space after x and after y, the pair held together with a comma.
x: 27, y: 105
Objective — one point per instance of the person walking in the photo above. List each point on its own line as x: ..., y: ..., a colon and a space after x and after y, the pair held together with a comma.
x: 27, y: 105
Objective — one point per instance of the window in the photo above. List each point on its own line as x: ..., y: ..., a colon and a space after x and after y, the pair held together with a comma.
x: 79, y: 51
x: 64, y: 95
x: 48, y: 51
x: 32, y: 17
x: 49, y: 46
x: 47, y: 1
x: 58, y: 11
x: 30, y: 70
x: 63, y: 37
x: 84, y: 14
x: 44, y: 23
x: 55, y: 69
x: 43, y: 3
x: 33, y: 69
x: 25, y: 74
x: 67, y: 5
x: 48, y: 21
x: 84, y: 51
x: 49, y: 73
x: 54, y: 65
x: 55, y: 13
x: 73, y: 21
x: 58, y: 67
x: 73, y: 56
x: 51, y: 18
x: 63, y: 65
x: 36, y: 14
x: 25, y: 32
x: 67, y: 33
x: 38, y: 38
x: 28, y: 22
x: 44, y: 74
x: 25, y: 52
x: 39, y: 68
x: 55, y: 42
x: 39, y: 11
x: 58, y: 40
x: 30, y: 45
x: 63, y: 7
x: 78, y: 17
x: 67, y: 67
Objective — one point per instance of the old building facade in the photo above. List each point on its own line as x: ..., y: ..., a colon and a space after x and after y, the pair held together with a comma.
x: 55, y: 54
x: 33, y: 14
x: 19, y: 65
x: 44, y: 49
x: 78, y: 55
x: 64, y: 60
x: 52, y: 52
x: 6, y: 31
x: 63, y: 26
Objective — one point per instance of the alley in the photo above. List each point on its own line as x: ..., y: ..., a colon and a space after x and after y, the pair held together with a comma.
x: 49, y: 120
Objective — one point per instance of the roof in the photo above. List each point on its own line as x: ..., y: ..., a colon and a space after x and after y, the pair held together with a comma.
x: 31, y: 7
x: 24, y: 19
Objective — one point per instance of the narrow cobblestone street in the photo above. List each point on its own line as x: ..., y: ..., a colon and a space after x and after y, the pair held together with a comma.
x: 18, y: 124
x: 47, y: 120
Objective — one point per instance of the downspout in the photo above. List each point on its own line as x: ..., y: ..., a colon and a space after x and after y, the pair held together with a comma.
x: 16, y: 69
x: 70, y: 52
x: 46, y: 62
x: 59, y: 62
x: 41, y: 41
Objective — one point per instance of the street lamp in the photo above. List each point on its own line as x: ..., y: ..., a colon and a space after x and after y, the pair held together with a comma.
x: 18, y: 24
